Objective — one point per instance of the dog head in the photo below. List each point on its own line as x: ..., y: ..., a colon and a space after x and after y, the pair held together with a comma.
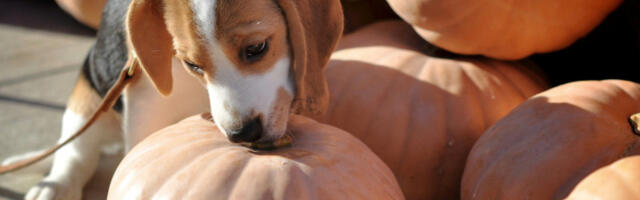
x: 259, y: 59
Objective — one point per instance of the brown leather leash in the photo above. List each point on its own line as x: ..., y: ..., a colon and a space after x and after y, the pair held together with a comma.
x: 127, y: 74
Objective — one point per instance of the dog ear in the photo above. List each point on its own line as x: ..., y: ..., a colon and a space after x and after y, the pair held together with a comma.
x: 314, y: 28
x: 151, y: 42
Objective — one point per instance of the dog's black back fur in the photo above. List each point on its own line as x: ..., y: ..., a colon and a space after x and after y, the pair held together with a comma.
x: 109, y: 54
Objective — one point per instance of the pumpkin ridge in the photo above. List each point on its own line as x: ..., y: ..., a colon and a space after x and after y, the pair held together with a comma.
x: 614, y: 181
x: 356, y: 142
x: 404, y: 66
x: 325, y: 155
x: 407, y: 123
x: 189, y: 167
x: 295, y: 171
x: 337, y: 88
x: 408, y: 137
x: 497, y: 69
x: 152, y: 148
x: 204, y: 145
x: 618, y: 84
x: 143, y: 154
x: 342, y: 172
x: 490, y: 133
x: 380, y: 98
x: 627, y: 187
x: 632, y: 88
x: 496, y: 76
x: 199, y: 181
x: 474, y: 89
x: 240, y: 174
x: 165, y: 131
x: 445, y: 104
x: 358, y: 79
x: 341, y: 104
x: 155, y: 159
x: 564, y: 189
x: 526, y: 77
x: 424, y: 70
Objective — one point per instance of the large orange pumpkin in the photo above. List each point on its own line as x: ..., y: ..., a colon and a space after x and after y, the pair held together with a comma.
x: 420, y: 114
x: 620, y: 181
x: 545, y: 146
x: 194, y: 160
x: 503, y: 29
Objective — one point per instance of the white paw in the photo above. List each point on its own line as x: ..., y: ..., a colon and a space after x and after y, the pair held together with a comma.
x: 50, y: 190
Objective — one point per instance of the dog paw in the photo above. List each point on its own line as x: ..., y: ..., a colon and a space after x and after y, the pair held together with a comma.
x: 50, y: 190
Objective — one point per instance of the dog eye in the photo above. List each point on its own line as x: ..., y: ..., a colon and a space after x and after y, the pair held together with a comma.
x: 193, y: 67
x: 254, y: 52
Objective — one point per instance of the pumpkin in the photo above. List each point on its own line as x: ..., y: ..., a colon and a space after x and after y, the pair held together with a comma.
x: 503, y: 29
x: 87, y: 12
x: 358, y: 13
x: 421, y: 114
x: 545, y: 146
x: 619, y: 180
x: 194, y: 160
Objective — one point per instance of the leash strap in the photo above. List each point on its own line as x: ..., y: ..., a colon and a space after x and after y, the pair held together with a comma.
x: 124, y: 79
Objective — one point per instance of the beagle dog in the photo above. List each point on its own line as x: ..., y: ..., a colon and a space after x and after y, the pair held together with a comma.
x: 250, y: 63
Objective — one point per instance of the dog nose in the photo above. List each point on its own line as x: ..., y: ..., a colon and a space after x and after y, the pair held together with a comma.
x: 249, y: 132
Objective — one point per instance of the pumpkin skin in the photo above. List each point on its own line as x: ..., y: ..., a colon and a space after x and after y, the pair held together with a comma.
x: 419, y: 113
x: 194, y: 160
x: 503, y: 29
x: 87, y: 12
x: 616, y: 181
x: 545, y: 146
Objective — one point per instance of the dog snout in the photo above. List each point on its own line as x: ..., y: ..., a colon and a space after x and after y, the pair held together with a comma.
x: 250, y: 131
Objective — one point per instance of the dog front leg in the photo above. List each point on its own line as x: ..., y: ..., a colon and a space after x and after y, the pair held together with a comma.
x: 75, y: 163
x: 146, y: 111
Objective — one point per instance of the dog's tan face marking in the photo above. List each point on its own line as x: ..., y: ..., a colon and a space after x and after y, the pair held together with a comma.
x: 239, y: 50
x: 281, y: 107
x: 241, y: 24
x: 189, y: 45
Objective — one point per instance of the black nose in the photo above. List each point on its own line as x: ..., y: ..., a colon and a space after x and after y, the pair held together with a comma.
x: 249, y: 132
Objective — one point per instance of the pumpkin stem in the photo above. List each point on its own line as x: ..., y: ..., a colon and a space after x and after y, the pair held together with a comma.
x: 284, y: 141
x: 634, y: 120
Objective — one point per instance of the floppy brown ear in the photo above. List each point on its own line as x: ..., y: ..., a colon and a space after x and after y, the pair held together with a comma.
x: 148, y: 36
x: 314, y: 28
